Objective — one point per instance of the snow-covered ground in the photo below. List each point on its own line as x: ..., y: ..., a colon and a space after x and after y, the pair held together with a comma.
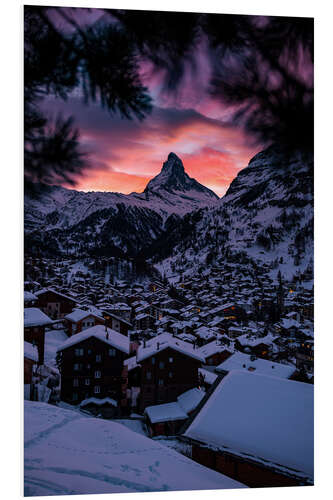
x: 66, y: 453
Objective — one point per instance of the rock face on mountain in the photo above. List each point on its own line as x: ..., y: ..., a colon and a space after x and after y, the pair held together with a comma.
x: 174, y: 180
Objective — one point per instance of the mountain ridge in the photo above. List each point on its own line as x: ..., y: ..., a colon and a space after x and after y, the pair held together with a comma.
x: 171, y: 191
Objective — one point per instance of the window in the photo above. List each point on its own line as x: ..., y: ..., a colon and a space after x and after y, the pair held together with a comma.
x: 170, y: 374
x: 97, y: 374
x: 98, y: 358
x: 160, y: 381
x: 77, y: 366
x: 112, y: 352
x: 87, y: 381
x: 152, y: 361
x: 76, y: 382
x: 97, y: 389
x: 75, y: 396
x: 88, y: 366
x: 79, y: 352
x: 148, y: 375
x: 161, y: 365
x: 170, y: 360
x: 89, y: 351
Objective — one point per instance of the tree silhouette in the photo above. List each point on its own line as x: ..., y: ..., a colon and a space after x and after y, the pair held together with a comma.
x: 261, y: 69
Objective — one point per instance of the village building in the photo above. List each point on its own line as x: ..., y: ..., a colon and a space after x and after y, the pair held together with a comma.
x: 80, y: 320
x: 91, y: 364
x: 168, y: 419
x: 35, y: 322
x: 214, y: 353
x: 55, y: 304
x: 269, y: 444
x: 117, y: 323
x: 169, y: 367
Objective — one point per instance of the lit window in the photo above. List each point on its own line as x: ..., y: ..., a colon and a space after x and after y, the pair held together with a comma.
x: 170, y: 360
x: 112, y: 352
x: 97, y: 374
x: 75, y: 382
x: 98, y: 358
x: 97, y: 389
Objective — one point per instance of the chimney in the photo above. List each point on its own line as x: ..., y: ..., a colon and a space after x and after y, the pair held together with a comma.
x: 158, y: 345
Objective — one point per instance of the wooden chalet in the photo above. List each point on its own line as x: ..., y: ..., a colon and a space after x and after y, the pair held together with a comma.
x: 79, y: 320
x: 169, y: 367
x: 91, y: 364
x: 55, y: 304
x: 255, y: 429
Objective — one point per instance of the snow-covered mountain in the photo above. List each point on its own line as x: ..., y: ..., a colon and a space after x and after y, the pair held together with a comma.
x: 61, y: 220
x: 265, y: 216
x: 171, y: 191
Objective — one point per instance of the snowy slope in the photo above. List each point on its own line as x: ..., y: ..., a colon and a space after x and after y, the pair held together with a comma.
x: 66, y: 453
x: 266, y: 216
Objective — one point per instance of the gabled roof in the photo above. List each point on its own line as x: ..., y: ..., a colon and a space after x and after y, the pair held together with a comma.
x: 80, y: 314
x: 35, y: 317
x: 115, y: 339
x: 46, y: 290
x: 165, y: 412
x: 242, y: 361
x: 165, y: 341
x: 263, y: 418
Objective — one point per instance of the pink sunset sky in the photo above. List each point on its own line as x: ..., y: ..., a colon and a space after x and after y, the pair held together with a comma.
x: 126, y: 154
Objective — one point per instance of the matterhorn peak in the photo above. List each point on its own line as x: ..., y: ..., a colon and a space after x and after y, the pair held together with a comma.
x: 174, y: 179
x: 173, y: 165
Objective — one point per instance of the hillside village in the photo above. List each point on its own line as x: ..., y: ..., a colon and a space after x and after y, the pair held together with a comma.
x: 155, y: 353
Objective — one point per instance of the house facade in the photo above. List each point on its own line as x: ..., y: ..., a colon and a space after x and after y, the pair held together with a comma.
x: 91, y: 364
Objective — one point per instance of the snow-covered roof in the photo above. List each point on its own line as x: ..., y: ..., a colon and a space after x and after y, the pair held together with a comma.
x: 289, y: 323
x: 266, y: 417
x: 30, y: 351
x: 79, y: 314
x: 211, y: 348
x: 242, y: 361
x: 190, y: 399
x: 46, y: 290
x: 252, y: 340
x: 164, y: 341
x: 114, y: 339
x: 165, y: 412
x: 35, y: 317
x: 29, y: 296
x: 98, y: 402
x: 91, y: 456
x: 209, y: 377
